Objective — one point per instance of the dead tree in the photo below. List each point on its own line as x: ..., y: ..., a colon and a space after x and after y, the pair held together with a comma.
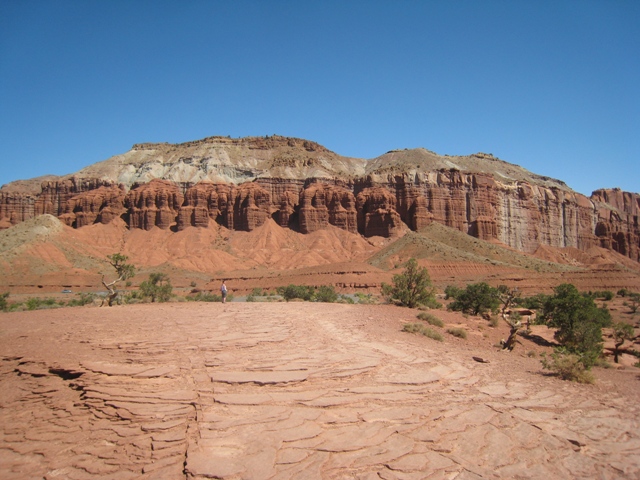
x: 507, y: 296
x: 123, y: 270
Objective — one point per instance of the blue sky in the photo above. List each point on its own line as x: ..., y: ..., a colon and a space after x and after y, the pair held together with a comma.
x: 553, y: 86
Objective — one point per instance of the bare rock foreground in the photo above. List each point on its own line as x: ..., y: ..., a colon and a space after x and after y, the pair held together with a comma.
x: 278, y: 391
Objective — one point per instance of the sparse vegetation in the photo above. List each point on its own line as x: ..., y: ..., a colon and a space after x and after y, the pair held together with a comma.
x: 621, y: 332
x: 4, y: 301
x: 422, y: 330
x: 634, y: 302
x: 296, y: 291
x: 411, y: 288
x: 579, y: 322
x: 457, y: 332
x: 365, y: 298
x: 124, y: 271
x: 534, y: 302
x: 476, y: 299
x: 158, y: 288
x: 207, y: 297
x: 431, y: 319
x: 567, y: 366
x: 326, y: 294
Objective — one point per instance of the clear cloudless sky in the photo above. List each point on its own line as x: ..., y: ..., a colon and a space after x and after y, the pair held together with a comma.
x: 551, y: 85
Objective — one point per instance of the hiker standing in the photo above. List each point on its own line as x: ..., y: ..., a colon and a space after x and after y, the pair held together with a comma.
x: 223, y: 291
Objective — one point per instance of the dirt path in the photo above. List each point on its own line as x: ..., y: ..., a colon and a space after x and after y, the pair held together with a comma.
x: 284, y: 391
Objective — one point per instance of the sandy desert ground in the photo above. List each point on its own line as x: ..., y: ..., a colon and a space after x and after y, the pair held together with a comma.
x: 295, y: 390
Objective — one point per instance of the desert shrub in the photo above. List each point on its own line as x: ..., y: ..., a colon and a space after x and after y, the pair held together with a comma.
x: 634, y: 302
x: 621, y: 332
x: 193, y: 284
x: 326, y: 294
x: 422, y: 330
x: 431, y: 319
x: 476, y: 299
x: 494, y: 321
x: 158, y: 288
x: 623, y: 292
x: 345, y: 299
x: 365, y: 298
x: 531, y: 354
x: 457, y: 332
x: 602, y: 295
x: 4, y: 302
x: 534, y: 302
x: 579, y: 322
x: 410, y: 288
x: 296, y: 291
x: 36, y: 303
x: 82, y: 300
x: 206, y: 297
x: 451, y: 292
x: 567, y: 367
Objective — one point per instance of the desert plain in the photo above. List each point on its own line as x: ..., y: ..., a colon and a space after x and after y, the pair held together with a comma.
x: 296, y: 390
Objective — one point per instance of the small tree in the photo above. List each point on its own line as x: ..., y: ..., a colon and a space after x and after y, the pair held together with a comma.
x: 124, y: 271
x: 411, y: 288
x: 579, y: 322
x: 158, y: 287
x: 508, y: 297
x: 621, y: 332
x: 476, y: 299
x: 634, y: 302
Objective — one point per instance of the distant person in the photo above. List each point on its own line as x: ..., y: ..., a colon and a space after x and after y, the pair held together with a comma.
x: 223, y: 291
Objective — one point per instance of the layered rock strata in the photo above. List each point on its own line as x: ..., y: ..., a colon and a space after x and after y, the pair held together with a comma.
x: 240, y: 183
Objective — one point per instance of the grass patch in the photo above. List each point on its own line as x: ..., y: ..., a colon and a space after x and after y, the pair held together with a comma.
x: 457, y: 332
x: 422, y: 330
x: 431, y: 319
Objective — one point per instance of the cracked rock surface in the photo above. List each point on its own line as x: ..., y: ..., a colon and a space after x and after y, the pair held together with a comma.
x: 279, y: 391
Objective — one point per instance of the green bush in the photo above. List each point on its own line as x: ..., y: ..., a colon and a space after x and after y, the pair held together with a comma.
x: 534, y: 302
x: 206, y: 297
x: 602, y: 295
x: 35, y: 303
x: 411, y: 288
x: 82, y: 300
x: 4, y: 302
x: 365, y: 298
x: 431, y: 319
x: 325, y: 294
x: 579, y: 322
x: 634, y: 302
x: 451, y: 292
x: 296, y: 291
x: 567, y: 367
x: 476, y: 299
x: 422, y: 330
x: 158, y: 288
x: 457, y: 332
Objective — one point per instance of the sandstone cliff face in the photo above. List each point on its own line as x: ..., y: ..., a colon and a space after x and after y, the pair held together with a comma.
x: 153, y: 204
x: 322, y: 205
x: 240, y: 183
x: 618, y: 226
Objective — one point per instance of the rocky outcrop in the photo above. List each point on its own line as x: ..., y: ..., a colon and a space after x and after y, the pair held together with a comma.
x: 322, y: 205
x: 101, y: 205
x: 618, y: 226
x: 240, y: 183
x: 153, y: 204
x: 377, y: 215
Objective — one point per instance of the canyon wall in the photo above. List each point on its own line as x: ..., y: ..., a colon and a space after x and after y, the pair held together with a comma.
x: 241, y: 183
x: 520, y: 215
